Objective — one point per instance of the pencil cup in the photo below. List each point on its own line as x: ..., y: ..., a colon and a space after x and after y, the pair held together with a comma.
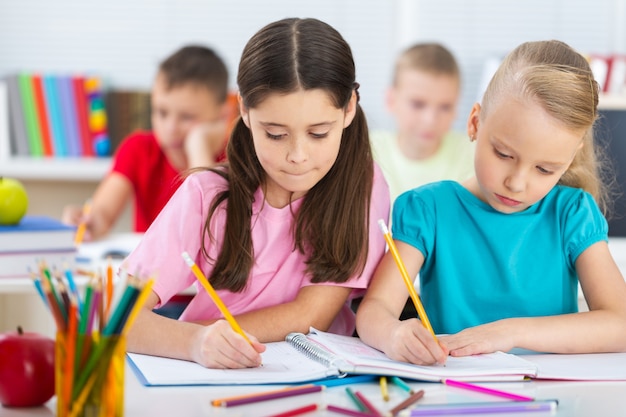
x: 89, y: 375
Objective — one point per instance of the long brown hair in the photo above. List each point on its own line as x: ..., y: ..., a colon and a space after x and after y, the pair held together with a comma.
x: 560, y: 80
x: 331, y: 226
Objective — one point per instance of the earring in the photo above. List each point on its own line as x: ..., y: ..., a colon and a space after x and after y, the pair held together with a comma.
x: 472, y: 138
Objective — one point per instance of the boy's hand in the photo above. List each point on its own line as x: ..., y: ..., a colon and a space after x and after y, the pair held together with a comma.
x: 204, y: 143
x: 411, y: 342
x: 73, y: 216
x: 486, y: 338
x: 219, y: 346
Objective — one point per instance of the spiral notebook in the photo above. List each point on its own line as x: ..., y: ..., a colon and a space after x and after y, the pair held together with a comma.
x: 320, y: 355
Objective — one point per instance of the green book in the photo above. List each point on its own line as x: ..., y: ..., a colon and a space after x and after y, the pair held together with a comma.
x: 33, y: 130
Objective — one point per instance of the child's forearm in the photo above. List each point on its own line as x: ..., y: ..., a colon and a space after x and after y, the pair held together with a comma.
x: 374, y: 323
x: 592, y: 331
x: 153, y: 334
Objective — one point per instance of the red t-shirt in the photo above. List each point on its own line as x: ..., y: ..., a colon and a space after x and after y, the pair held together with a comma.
x: 140, y: 159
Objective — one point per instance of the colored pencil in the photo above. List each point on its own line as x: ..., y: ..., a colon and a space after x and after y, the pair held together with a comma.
x: 485, y: 390
x: 334, y: 382
x: 141, y: 300
x: 297, y: 411
x: 407, y: 402
x: 216, y: 298
x: 383, y: 388
x: 347, y: 411
x: 405, y: 276
x: 370, y: 407
x: 503, y: 407
x: 109, y: 287
x: 403, y: 385
x: 356, y: 400
x: 82, y: 226
x: 268, y: 395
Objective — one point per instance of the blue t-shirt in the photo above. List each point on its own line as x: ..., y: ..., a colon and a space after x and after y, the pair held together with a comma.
x: 482, y: 265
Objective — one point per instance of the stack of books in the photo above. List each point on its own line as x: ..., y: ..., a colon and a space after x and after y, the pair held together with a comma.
x: 36, y: 239
x: 56, y: 115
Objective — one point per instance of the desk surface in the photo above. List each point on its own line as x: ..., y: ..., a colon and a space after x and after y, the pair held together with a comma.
x: 580, y: 399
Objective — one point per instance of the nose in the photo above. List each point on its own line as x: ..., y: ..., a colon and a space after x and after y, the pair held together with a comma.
x: 516, y: 180
x: 297, y: 152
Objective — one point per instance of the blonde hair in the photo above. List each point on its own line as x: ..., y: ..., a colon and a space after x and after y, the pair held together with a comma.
x: 559, y: 79
x: 432, y: 58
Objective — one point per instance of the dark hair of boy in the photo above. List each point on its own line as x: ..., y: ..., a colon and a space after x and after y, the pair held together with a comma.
x: 196, y: 65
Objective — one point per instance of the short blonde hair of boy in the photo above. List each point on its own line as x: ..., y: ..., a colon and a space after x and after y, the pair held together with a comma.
x: 431, y: 58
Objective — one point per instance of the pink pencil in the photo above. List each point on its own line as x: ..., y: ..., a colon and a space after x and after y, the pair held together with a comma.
x: 485, y: 390
x: 373, y: 411
x: 297, y: 411
x: 347, y: 411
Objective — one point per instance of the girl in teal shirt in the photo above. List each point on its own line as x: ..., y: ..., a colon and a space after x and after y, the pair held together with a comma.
x: 500, y: 255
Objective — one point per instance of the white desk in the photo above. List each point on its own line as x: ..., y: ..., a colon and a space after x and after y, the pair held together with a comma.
x: 581, y: 399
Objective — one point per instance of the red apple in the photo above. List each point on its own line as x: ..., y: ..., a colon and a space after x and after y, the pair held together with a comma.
x: 26, y: 369
x: 13, y: 201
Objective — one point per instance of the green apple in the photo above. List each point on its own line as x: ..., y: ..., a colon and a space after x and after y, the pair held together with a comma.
x: 13, y: 201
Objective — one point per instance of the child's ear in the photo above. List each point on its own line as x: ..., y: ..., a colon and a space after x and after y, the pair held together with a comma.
x: 243, y: 111
x: 473, y: 121
x: 350, y: 110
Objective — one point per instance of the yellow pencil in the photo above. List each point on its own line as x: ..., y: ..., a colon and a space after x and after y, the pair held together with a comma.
x: 383, y: 388
x: 82, y: 227
x: 405, y: 276
x: 216, y: 298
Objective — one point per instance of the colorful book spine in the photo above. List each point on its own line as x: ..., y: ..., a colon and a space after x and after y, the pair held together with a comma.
x: 82, y: 115
x: 5, y: 141
x: 68, y: 113
x: 19, y: 140
x: 97, y: 117
x: 42, y: 115
x: 30, y: 115
x: 55, y: 117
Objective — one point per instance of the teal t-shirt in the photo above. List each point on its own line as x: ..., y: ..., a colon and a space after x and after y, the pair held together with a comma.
x: 482, y: 265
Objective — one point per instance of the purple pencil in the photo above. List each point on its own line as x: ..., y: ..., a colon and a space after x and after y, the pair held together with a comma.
x: 264, y: 396
x: 481, y: 408
x: 347, y: 411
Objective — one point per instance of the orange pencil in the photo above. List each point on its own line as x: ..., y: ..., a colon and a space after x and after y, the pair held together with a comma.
x: 82, y: 227
x: 109, y: 286
x: 70, y: 353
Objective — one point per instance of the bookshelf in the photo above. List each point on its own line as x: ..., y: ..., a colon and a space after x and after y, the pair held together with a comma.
x: 55, y: 169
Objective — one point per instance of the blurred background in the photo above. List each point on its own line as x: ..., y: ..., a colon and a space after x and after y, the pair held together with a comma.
x: 124, y: 40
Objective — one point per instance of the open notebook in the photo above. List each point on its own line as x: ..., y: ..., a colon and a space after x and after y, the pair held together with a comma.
x: 320, y: 355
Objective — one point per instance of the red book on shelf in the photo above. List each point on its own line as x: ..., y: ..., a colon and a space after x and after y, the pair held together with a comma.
x: 82, y: 113
x: 42, y: 116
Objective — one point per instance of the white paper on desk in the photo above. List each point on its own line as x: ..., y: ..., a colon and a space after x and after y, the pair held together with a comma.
x: 580, y: 367
x: 282, y: 364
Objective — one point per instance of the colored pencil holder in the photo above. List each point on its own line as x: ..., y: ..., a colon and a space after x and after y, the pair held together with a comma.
x: 92, y: 385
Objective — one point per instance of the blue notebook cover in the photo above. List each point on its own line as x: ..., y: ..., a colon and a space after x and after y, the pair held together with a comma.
x: 36, y: 233
x: 36, y: 224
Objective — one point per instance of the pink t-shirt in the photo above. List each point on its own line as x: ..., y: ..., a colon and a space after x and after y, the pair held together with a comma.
x: 276, y: 276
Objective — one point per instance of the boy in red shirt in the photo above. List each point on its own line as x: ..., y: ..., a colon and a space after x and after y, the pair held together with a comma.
x: 190, y: 115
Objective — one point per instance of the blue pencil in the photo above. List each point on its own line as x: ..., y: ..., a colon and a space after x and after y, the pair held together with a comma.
x: 335, y: 382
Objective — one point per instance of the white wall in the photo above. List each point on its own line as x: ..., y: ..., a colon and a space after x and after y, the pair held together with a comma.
x: 124, y: 40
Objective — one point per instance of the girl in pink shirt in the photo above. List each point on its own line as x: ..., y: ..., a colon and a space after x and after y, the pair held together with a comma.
x: 286, y: 230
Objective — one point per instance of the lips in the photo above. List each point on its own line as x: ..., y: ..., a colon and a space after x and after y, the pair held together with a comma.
x: 508, y: 201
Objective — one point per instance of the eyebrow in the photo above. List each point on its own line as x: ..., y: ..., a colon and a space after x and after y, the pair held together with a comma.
x: 272, y: 124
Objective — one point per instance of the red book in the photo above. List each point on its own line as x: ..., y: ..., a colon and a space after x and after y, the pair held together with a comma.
x: 82, y: 115
x: 42, y: 116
